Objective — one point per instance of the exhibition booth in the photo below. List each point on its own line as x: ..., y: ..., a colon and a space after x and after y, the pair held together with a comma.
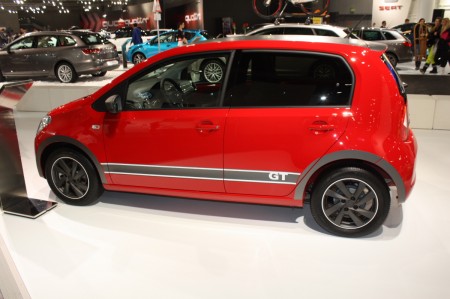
x: 146, y: 246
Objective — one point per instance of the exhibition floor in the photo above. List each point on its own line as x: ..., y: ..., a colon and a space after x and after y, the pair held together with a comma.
x: 138, y: 246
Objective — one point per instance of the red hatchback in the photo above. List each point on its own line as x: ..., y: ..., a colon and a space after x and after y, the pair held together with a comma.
x: 290, y: 120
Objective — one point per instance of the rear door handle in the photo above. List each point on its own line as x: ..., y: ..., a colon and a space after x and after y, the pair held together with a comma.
x: 320, y: 127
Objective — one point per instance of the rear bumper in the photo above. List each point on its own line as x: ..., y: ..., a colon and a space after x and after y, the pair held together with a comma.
x: 95, y: 66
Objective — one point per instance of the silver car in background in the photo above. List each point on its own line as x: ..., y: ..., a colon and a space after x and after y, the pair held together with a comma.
x: 62, y: 54
x: 399, y: 47
x: 302, y: 29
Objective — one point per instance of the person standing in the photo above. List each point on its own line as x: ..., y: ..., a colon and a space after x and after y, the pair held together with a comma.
x: 420, y: 42
x: 433, y: 38
x: 136, y: 35
x: 181, y: 37
x: 443, y: 46
x: 383, y: 24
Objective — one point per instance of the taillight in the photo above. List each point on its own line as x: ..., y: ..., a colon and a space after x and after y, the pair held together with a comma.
x: 405, y: 124
x: 91, y: 51
x: 407, y: 44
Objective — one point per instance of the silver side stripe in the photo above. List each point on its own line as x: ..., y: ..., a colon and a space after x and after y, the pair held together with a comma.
x: 233, y: 175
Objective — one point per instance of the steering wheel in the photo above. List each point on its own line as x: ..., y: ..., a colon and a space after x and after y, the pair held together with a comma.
x: 172, y: 92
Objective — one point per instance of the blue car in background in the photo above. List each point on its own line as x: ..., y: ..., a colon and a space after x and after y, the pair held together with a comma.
x: 168, y: 40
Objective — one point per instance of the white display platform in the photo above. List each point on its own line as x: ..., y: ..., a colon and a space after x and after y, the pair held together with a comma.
x: 138, y: 246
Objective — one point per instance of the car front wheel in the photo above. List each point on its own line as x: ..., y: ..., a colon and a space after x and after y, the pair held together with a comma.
x: 66, y: 73
x: 350, y: 202
x: 73, y: 178
x: 138, y: 58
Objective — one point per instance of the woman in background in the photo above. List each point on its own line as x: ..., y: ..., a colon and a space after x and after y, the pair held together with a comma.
x: 420, y: 42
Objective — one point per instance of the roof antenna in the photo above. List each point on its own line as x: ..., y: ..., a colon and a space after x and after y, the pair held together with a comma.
x: 357, y: 24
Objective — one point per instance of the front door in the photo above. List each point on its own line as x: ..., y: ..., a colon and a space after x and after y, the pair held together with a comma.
x: 170, y: 132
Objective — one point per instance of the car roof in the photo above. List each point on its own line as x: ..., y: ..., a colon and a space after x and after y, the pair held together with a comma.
x: 303, y: 38
x: 299, y: 25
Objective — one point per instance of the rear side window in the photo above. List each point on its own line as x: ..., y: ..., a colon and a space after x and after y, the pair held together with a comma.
x: 298, y: 31
x: 271, y: 79
x: 66, y: 41
x: 372, y: 35
x: 93, y: 39
x: 325, y: 32
x: 47, y: 41
x: 390, y: 35
x: 270, y: 31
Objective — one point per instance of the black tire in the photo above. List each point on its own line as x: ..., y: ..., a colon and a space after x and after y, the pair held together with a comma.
x: 212, y: 70
x: 138, y: 58
x: 392, y: 58
x: 269, y: 12
x: 73, y: 178
x: 336, y: 209
x: 66, y: 73
x: 99, y: 74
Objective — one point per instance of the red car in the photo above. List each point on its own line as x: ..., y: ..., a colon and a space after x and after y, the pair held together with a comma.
x: 290, y: 120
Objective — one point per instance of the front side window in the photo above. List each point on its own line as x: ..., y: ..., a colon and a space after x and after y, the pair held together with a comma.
x: 25, y: 43
x: 194, y: 82
x: 271, y: 79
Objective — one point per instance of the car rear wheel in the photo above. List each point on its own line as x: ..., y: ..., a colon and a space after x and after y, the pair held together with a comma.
x: 213, y: 70
x: 138, y: 58
x: 350, y: 202
x: 99, y: 74
x: 66, y: 73
x: 73, y: 178
x: 392, y: 58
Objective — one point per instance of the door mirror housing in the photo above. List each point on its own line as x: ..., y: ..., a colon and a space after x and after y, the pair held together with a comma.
x: 114, y: 104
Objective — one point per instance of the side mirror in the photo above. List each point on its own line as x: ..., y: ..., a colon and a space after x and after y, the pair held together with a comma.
x: 405, y: 85
x: 114, y: 104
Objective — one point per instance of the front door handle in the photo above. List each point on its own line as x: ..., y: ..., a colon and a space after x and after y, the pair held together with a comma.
x: 207, y: 126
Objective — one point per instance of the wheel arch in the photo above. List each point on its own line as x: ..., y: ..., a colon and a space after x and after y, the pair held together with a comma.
x: 370, y: 162
x: 57, y: 63
x: 58, y: 142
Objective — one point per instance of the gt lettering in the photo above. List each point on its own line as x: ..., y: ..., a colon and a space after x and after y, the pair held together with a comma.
x: 277, y: 176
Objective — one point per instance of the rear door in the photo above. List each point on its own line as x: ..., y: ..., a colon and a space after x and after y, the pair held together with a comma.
x: 286, y: 112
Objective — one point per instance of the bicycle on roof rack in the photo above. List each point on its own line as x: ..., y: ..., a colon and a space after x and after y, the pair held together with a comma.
x: 275, y: 9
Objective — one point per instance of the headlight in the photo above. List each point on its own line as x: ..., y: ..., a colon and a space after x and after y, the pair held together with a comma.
x: 45, y: 121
